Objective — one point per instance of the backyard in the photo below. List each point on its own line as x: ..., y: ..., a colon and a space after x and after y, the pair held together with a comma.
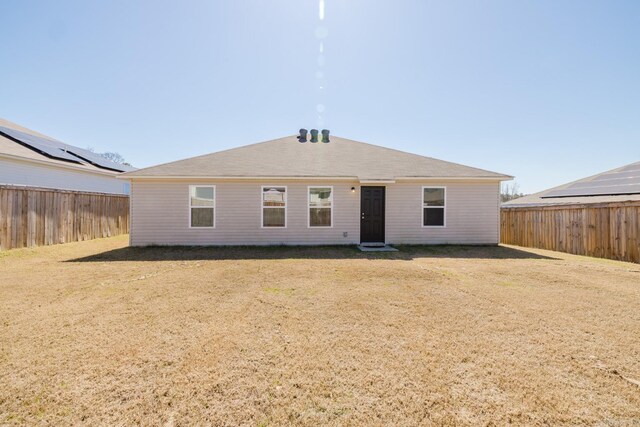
x: 99, y: 333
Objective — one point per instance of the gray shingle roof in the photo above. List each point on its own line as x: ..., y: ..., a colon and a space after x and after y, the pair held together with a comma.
x: 286, y: 157
x: 542, y: 198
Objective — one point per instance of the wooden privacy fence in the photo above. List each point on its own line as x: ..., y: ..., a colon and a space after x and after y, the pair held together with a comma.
x: 37, y: 216
x: 605, y: 230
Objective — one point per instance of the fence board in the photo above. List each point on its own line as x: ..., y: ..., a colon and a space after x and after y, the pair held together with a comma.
x: 603, y: 230
x: 39, y: 216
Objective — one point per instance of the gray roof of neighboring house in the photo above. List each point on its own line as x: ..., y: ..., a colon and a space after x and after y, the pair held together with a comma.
x: 10, y: 148
x: 341, y: 158
x: 597, y: 183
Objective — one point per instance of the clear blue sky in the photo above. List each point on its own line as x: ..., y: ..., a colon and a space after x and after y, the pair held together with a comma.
x: 548, y: 91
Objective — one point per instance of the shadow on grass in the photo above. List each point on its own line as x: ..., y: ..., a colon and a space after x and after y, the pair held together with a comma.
x: 407, y: 252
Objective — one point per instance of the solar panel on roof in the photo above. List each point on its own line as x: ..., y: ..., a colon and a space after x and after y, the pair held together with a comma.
x: 618, y: 175
x: 621, y: 181
x: 59, y: 150
x: 42, y: 145
x: 595, y: 191
x: 633, y: 166
x: 601, y: 183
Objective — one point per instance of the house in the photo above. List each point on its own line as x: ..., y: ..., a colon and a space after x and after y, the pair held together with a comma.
x: 595, y: 216
x: 305, y: 191
x: 29, y: 158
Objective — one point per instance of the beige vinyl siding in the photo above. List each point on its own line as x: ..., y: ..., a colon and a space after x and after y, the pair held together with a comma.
x: 160, y: 214
x: 472, y: 214
x: 17, y: 172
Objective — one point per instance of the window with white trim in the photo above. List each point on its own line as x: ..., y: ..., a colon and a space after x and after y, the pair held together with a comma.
x: 433, y: 206
x: 320, y: 206
x: 202, y: 205
x: 274, y: 207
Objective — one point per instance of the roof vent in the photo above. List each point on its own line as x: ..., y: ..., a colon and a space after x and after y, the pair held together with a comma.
x: 303, y: 135
x: 325, y: 135
x: 314, y: 135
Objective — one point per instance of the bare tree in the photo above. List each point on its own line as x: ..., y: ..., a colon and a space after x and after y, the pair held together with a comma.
x: 114, y: 157
x: 510, y: 192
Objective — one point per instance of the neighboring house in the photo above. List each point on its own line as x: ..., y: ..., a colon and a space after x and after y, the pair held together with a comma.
x: 298, y: 192
x: 596, y: 216
x: 29, y: 158
x: 615, y: 186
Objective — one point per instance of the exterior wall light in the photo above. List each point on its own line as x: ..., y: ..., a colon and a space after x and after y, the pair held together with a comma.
x: 353, y: 189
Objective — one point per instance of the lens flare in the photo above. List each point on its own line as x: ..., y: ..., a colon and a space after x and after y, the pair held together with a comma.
x: 321, y: 32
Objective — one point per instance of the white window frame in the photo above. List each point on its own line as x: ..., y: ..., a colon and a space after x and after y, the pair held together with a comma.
x: 214, y: 207
x: 263, y: 207
x: 309, y: 206
x: 423, y: 207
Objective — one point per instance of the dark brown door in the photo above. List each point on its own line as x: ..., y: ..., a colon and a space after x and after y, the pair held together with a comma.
x: 372, y: 214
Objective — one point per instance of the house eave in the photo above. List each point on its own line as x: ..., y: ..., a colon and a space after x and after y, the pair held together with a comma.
x: 316, y: 178
x: 232, y: 177
x: 445, y: 178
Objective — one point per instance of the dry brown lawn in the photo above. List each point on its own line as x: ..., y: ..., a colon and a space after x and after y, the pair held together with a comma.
x: 95, y: 333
